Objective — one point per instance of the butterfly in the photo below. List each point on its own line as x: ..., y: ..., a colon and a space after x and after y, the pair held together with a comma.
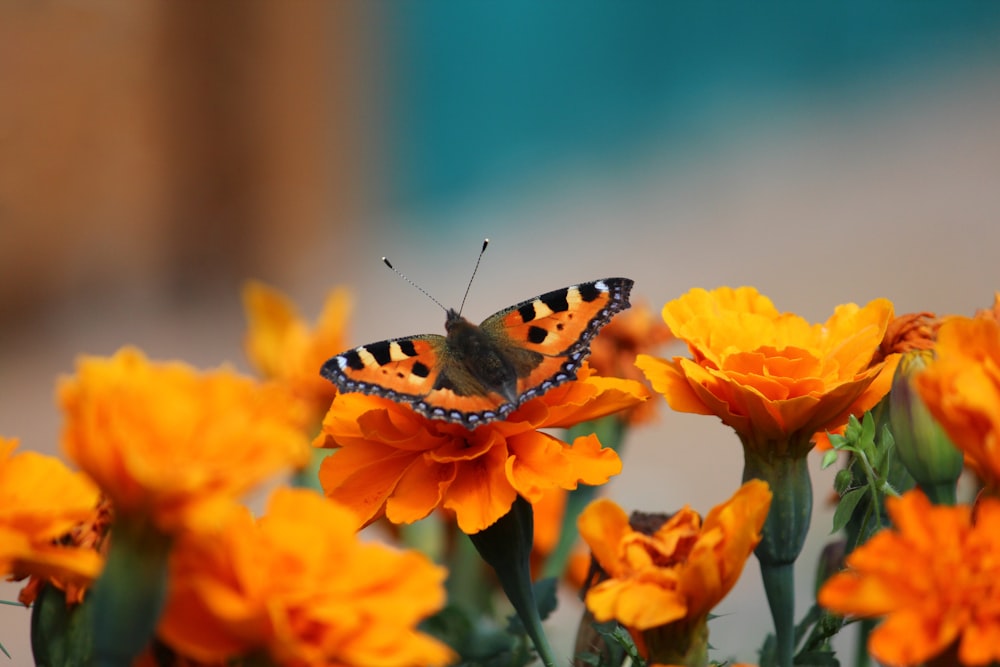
x: 473, y: 374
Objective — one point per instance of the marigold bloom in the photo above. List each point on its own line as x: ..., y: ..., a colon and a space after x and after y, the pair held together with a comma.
x: 613, y: 351
x: 912, y: 331
x: 172, y: 445
x: 42, y: 501
x: 682, y: 570
x: 394, y: 462
x: 300, y: 585
x: 992, y: 313
x: 772, y: 376
x: 281, y: 345
x: 961, y: 388
x: 935, y: 576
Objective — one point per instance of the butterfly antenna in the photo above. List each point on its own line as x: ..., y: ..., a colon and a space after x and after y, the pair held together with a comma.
x: 421, y: 289
x: 486, y: 242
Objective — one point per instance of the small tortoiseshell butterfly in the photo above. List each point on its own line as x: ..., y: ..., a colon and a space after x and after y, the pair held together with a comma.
x: 477, y: 374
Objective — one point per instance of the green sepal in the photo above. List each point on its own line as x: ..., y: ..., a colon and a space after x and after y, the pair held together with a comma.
x: 61, y: 634
x: 129, y: 596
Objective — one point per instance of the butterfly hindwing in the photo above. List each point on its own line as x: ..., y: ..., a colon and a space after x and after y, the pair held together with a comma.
x: 539, y: 343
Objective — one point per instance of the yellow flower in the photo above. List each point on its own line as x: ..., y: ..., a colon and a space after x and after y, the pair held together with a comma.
x: 935, y: 576
x: 173, y: 446
x: 961, y: 388
x: 773, y: 377
x: 300, y: 585
x: 281, y: 346
x: 41, y: 502
x: 394, y: 462
x: 664, y: 581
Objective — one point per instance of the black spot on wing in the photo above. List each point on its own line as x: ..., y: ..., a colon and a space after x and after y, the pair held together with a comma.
x: 353, y: 360
x: 527, y: 311
x: 537, y: 335
x: 380, y: 351
x: 407, y: 348
x: 420, y: 369
x: 588, y: 291
x: 556, y: 301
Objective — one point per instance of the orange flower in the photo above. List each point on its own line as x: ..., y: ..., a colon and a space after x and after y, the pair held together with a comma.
x: 913, y: 331
x: 300, y: 585
x: 613, y: 351
x: 772, y: 376
x: 281, y: 346
x: 172, y: 445
x: 992, y: 313
x: 394, y: 462
x: 961, y: 388
x: 42, y: 501
x: 936, y: 576
x: 681, y: 570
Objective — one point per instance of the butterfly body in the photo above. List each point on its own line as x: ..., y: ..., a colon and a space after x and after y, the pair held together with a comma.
x: 476, y: 374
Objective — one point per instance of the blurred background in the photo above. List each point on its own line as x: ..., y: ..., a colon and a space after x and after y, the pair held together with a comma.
x: 155, y: 155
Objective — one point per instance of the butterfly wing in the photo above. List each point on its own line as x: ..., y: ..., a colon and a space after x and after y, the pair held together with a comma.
x: 419, y: 371
x: 549, y: 336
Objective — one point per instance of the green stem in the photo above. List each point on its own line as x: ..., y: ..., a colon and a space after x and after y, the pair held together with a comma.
x: 783, y: 535
x: 779, y: 584
x: 576, y: 501
x: 861, y: 655
x: 506, y: 547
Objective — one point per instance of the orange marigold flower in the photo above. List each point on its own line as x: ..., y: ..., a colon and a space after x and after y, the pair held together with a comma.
x: 394, y: 462
x: 173, y: 445
x: 913, y: 331
x: 299, y: 584
x: 41, y: 502
x: 613, y: 351
x: 90, y: 534
x: 935, y: 576
x: 281, y: 345
x: 961, y: 388
x: 680, y: 571
x: 992, y: 313
x: 771, y: 376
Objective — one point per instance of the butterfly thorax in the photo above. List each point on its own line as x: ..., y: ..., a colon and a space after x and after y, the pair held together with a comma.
x: 479, y: 361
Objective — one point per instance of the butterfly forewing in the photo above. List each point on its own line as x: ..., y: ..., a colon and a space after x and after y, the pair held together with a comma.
x: 402, y: 369
x: 564, y: 320
x: 559, y: 325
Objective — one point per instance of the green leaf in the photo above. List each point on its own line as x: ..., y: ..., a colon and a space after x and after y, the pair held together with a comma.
x: 829, y: 458
x: 845, y: 508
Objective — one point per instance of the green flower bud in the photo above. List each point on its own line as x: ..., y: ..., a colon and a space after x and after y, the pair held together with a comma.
x: 923, y: 446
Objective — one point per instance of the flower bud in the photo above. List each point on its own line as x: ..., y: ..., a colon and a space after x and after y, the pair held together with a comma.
x: 923, y: 446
